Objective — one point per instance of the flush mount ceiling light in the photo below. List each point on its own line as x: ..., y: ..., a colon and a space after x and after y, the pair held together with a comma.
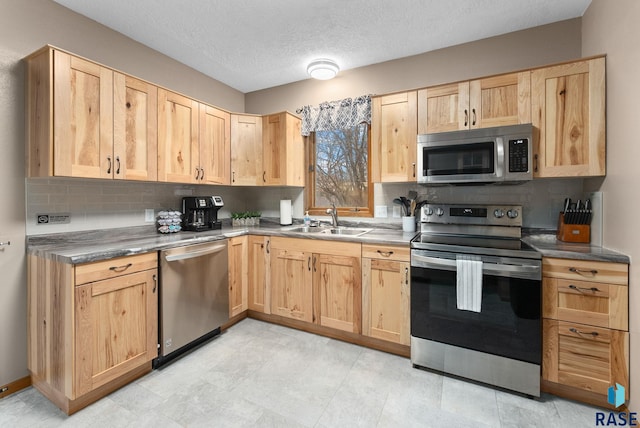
x: 323, y: 69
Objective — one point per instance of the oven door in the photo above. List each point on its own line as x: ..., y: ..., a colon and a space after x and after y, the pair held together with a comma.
x: 508, y: 324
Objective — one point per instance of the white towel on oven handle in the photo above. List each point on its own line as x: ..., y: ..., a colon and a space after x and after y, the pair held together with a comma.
x: 468, y: 282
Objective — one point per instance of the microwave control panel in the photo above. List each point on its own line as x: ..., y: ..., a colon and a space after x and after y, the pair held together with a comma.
x: 518, y: 155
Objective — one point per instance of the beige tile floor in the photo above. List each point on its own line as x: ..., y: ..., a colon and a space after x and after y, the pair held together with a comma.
x: 260, y: 374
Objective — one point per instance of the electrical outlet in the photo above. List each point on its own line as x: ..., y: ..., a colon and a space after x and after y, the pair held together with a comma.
x: 149, y: 215
x: 381, y: 211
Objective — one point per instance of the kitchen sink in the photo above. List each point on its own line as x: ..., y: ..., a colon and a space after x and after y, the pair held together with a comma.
x: 347, y: 231
x: 341, y: 230
x: 306, y: 229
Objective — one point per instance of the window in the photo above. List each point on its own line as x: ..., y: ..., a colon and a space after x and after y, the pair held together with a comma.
x: 339, y: 171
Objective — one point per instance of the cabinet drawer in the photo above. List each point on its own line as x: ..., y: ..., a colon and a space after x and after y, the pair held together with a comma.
x: 581, y: 270
x: 386, y: 252
x: 584, y: 302
x: 96, y: 271
x: 585, y: 357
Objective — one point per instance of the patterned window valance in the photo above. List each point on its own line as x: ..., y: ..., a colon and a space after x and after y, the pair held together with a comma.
x: 341, y: 114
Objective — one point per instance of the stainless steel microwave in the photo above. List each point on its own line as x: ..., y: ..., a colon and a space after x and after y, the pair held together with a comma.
x: 486, y: 155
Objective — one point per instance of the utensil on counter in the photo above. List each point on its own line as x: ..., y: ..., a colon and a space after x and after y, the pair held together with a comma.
x: 403, y: 208
x: 412, y: 208
x: 578, y: 212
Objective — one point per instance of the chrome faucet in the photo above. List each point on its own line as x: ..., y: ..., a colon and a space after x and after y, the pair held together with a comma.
x: 334, y: 215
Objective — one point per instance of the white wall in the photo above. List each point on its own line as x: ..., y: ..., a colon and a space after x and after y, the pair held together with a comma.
x: 611, y: 27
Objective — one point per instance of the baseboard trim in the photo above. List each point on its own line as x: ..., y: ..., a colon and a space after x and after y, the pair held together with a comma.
x: 15, y: 386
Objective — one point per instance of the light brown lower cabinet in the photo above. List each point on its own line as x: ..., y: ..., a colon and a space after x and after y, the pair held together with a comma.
x: 259, y: 274
x: 317, y: 281
x: 386, y: 293
x: 585, y: 347
x: 92, y: 327
x: 238, y: 274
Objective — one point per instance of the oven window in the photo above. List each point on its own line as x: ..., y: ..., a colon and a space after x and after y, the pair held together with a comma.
x: 460, y: 159
x: 507, y: 325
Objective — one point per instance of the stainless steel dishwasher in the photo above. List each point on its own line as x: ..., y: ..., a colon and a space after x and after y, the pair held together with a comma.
x: 194, y: 297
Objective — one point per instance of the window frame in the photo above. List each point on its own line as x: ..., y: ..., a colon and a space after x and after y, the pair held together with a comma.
x: 310, y: 190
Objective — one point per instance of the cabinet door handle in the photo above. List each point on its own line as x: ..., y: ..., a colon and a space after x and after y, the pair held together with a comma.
x: 535, y: 163
x: 268, y: 249
x: 385, y: 253
x: 406, y: 275
x: 583, y: 289
x: 197, y: 173
x: 576, y: 331
x: 309, y: 264
x: 314, y: 263
x: 117, y: 164
x: 109, y: 167
x: 414, y: 170
x: 466, y: 117
x: 202, y: 175
x: 474, y: 117
x: 155, y: 283
x: 233, y: 176
x: 264, y: 173
x: 121, y: 268
x: 2, y: 244
x: 592, y: 272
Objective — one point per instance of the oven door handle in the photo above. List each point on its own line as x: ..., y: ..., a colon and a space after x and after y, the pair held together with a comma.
x: 498, y: 269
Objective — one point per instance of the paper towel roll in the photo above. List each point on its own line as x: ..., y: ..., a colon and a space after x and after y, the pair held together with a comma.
x: 285, y: 212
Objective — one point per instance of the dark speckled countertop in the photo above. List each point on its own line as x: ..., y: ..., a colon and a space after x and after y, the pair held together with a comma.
x: 90, y: 246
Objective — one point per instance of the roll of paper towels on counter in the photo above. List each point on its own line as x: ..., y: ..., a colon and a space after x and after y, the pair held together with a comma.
x: 285, y: 212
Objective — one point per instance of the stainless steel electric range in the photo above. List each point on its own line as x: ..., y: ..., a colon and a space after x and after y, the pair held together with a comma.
x: 498, y: 340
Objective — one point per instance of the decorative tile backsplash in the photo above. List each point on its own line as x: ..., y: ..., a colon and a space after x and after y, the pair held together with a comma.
x: 102, y: 204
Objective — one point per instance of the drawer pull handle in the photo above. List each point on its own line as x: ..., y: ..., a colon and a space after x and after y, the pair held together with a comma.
x: 121, y: 268
x: 593, y: 272
x: 155, y: 283
x: 583, y: 289
x: 576, y: 331
x: 385, y: 253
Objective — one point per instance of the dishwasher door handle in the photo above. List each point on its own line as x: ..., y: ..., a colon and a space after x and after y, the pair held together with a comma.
x: 194, y: 254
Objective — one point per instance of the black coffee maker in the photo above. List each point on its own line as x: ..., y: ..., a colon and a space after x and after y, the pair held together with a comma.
x: 200, y: 213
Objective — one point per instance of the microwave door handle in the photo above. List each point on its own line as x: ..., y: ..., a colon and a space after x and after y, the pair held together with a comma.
x: 500, y: 158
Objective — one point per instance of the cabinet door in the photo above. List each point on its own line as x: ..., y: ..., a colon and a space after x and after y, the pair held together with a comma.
x: 500, y: 100
x: 568, y: 103
x: 291, y: 284
x: 82, y: 118
x: 274, y: 153
x: 116, y: 328
x: 585, y: 357
x: 337, y: 292
x: 385, y: 300
x: 394, y: 134
x: 246, y: 152
x: 135, y: 129
x: 178, y: 150
x: 259, y: 273
x: 443, y: 108
x: 215, y: 151
x: 238, y: 275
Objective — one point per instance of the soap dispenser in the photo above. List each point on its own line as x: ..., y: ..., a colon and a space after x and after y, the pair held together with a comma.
x: 307, y: 219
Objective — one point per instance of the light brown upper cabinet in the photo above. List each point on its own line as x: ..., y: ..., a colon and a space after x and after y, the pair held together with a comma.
x: 282, y: 150
x: 193, y: 140
x: 85, y: 120
x: 246, y: 152
x: 215, y: 145
x: 393, y: 137
x: 568, y: 105
x: 135, y: 129
x: 267, y: 150
x: 482, y: 103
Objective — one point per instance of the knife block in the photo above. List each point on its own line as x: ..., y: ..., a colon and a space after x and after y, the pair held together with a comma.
x: 573, y: 232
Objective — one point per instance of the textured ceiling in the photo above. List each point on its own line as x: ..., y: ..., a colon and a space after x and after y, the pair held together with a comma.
x: 251, y: 45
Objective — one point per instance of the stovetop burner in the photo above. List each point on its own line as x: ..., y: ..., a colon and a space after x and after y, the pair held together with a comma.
x: 473, y: 229
x: 474, y: 245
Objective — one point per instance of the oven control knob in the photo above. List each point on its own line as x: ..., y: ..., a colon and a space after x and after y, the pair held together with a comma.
x: 428, y: 210
x: 498, y: 213
x: 512, y: 213
x: 439, y: 212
